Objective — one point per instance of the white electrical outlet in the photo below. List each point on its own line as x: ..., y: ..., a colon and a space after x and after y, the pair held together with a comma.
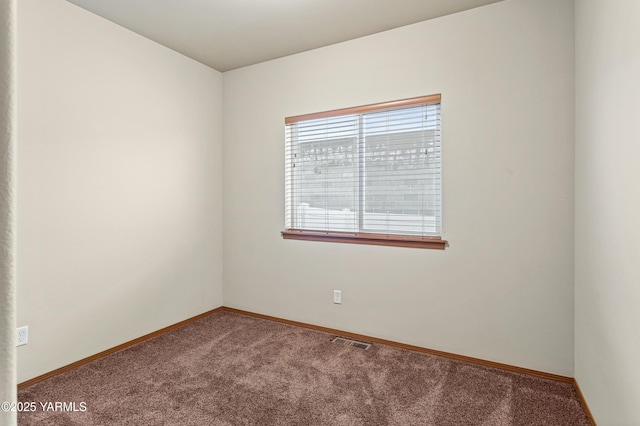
x: 23, y: 335
x: 337, y: 296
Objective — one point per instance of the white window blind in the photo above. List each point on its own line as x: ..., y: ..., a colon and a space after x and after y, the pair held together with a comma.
x: 377, y: 171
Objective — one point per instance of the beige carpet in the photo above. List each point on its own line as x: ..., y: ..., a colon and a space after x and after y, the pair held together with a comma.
x: 231, y: 369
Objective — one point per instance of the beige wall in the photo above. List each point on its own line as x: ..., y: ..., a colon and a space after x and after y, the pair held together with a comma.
x: 503, y: 290
x: 120, y: 185
x: 7, y: 208
x: 607, y: 242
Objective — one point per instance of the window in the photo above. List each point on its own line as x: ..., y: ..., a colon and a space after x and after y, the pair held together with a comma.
x: 366, y: 175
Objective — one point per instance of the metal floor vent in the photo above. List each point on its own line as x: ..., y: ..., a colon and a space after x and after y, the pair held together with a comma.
x: 349, y: 342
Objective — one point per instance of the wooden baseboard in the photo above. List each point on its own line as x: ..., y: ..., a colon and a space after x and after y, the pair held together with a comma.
x: 356, y: 336
x: 449, y: 355
x: 583, y: 402
x: 103, y: 354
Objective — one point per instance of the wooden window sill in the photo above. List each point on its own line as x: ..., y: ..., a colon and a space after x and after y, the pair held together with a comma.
x: 364, y: 238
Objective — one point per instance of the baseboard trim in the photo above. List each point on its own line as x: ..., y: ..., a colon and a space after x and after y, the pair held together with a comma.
x: 356, y: 336
x: 584, y: 404
x: 449, y: 355
x: 107, y: 352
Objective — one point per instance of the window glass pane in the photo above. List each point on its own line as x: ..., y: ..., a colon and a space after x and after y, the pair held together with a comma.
x: 376, y: 172
x: 325, y: 175
x: 401, y: 171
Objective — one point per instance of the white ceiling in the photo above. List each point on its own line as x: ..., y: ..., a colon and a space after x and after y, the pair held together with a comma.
x: 229, y: 34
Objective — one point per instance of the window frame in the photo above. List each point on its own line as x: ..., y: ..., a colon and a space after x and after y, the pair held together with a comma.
x: 398, y: 240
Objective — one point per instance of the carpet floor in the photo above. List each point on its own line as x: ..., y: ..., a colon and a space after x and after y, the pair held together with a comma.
x: 233, y: 369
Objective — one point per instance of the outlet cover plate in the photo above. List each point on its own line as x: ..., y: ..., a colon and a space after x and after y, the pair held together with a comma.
x: 23, y: 335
